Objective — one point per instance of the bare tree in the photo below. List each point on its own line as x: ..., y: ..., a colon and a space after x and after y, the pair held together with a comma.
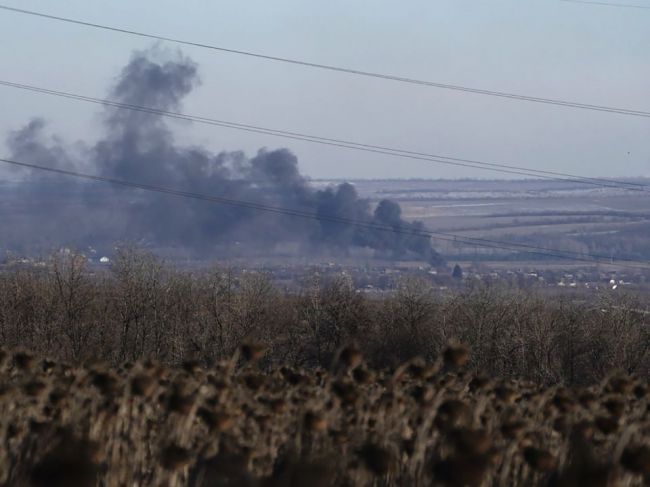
x: 74, y: 292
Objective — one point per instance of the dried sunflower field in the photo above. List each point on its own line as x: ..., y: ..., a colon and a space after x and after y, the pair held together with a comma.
x: 238, y: 424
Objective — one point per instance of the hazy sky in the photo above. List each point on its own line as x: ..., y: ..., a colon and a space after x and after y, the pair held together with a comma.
x: 546, y: 48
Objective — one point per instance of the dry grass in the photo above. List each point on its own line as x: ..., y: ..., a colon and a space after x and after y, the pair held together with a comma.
x: 235, y: 425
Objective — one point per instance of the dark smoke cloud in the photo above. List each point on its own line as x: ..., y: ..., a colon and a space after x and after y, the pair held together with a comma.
x: 141, y: 147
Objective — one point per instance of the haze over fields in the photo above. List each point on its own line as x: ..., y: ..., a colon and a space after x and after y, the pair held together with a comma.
x: 556, y: 214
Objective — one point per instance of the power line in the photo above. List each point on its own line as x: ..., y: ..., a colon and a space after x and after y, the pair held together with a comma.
x: 298, y: 137
x: 358, y: 72
x: 607, y: 4
x: 346, y: 144
x: 449, y: 237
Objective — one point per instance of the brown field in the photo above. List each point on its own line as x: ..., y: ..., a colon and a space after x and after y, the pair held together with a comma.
x: 237, y: 425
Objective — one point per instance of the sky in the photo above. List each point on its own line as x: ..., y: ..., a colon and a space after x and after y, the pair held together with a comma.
x: 546, y: 48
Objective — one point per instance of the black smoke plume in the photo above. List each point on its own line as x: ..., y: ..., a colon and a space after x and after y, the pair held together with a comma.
x: 140, y: 147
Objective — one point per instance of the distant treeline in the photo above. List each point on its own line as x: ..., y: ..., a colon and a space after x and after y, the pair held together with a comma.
x: 633, y: 242
x: 144, y: 308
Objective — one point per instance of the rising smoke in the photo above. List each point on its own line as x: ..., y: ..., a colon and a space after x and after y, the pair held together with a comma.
x: 140, y: 147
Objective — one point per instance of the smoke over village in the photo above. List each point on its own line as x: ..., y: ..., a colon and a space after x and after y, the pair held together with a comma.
x: 141, y: 147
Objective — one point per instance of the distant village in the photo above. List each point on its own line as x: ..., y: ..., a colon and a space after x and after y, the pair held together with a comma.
x: 378, y: 279
x: 385, y: 276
